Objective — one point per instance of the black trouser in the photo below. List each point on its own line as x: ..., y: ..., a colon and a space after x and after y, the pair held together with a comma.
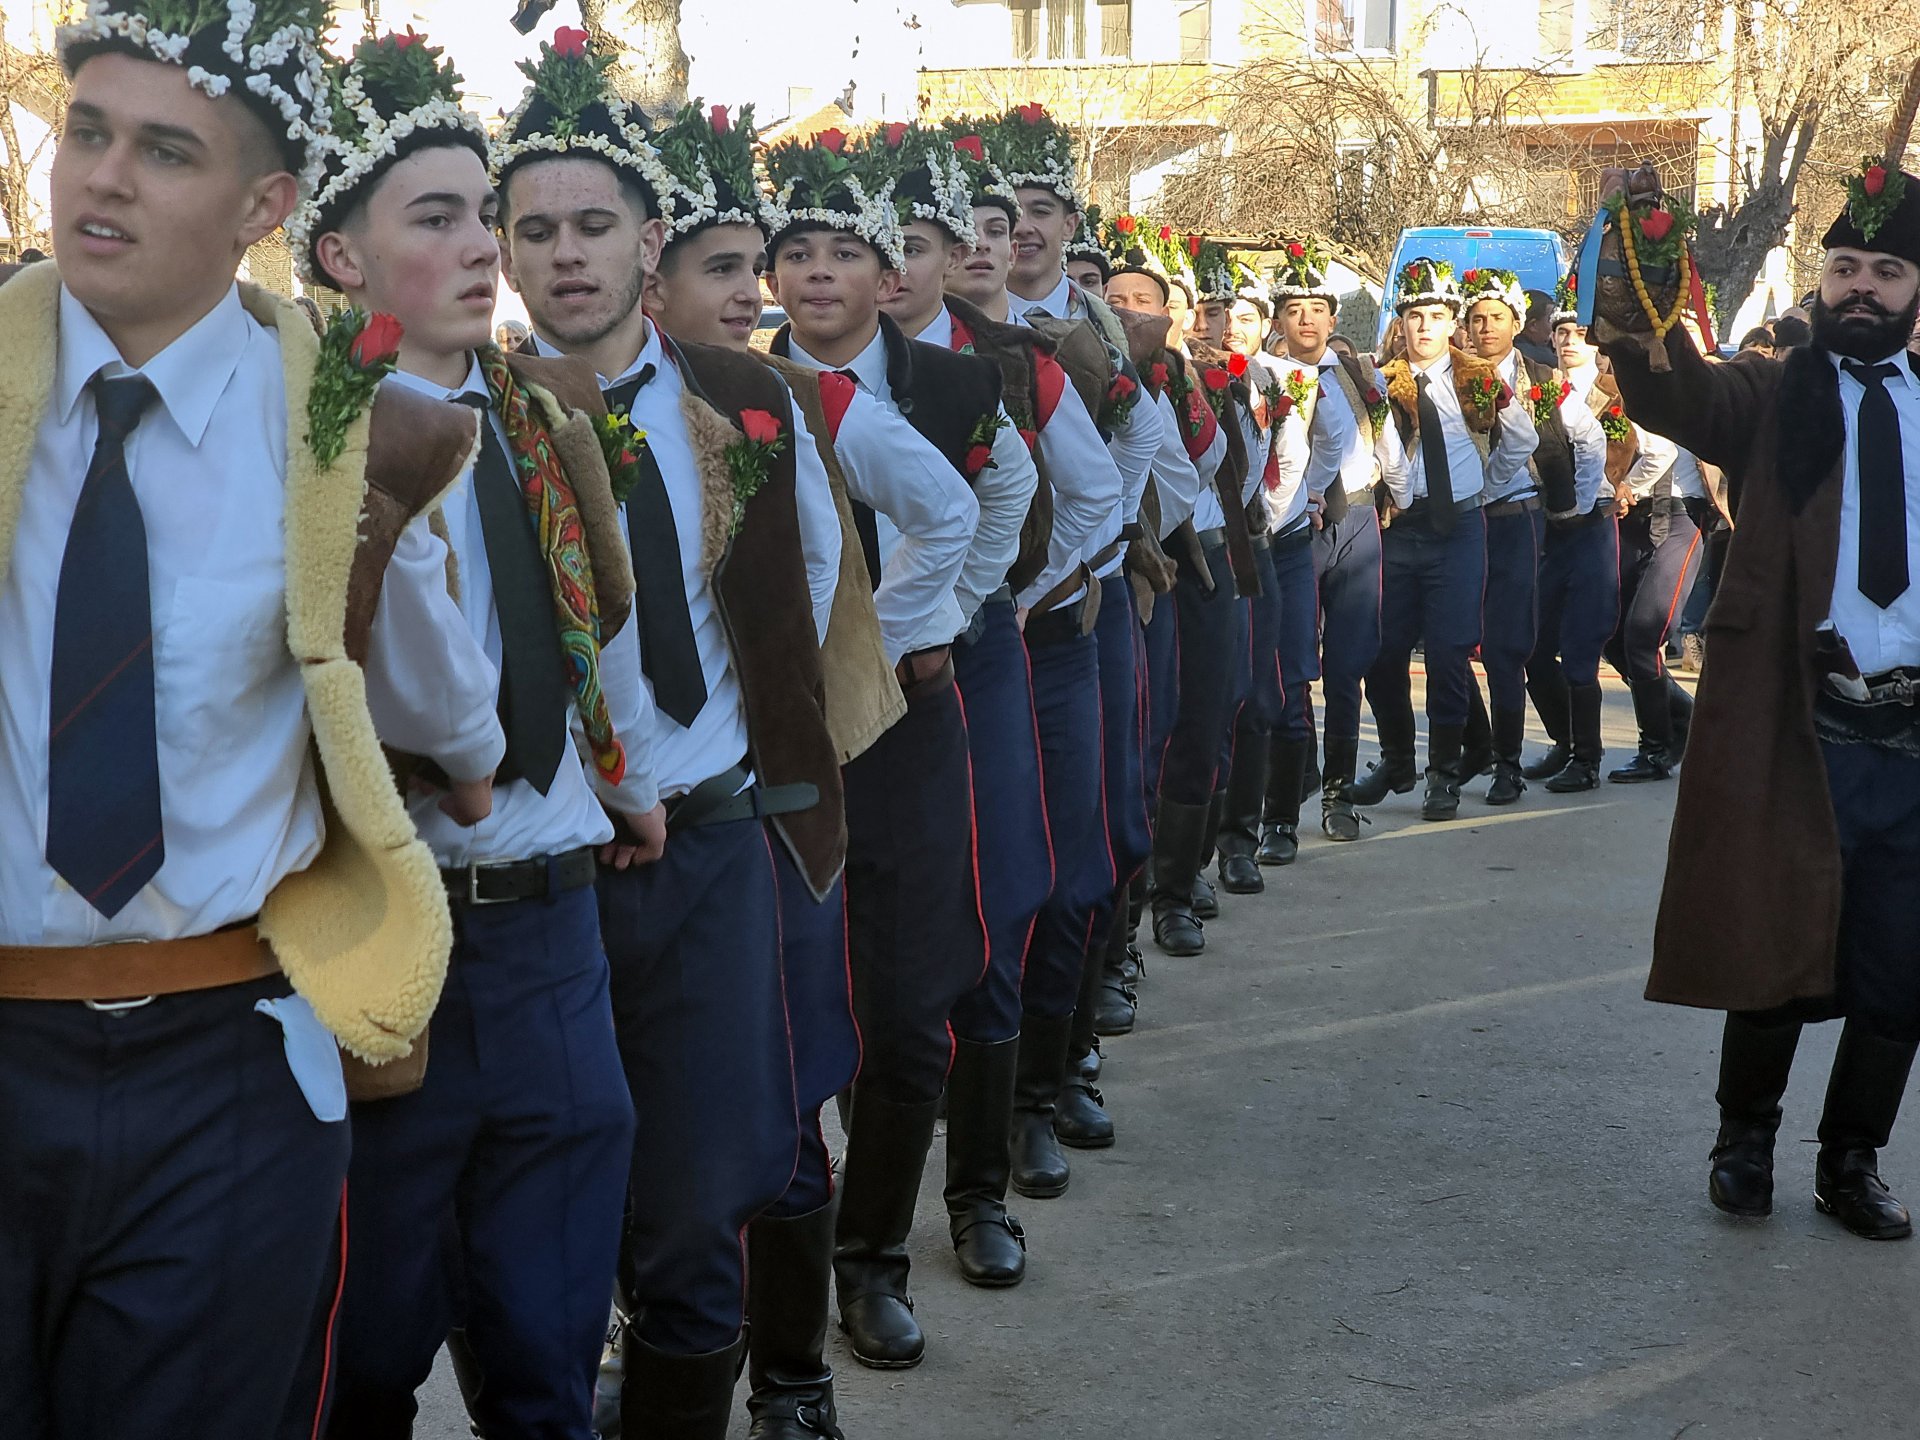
x: 1189, y: 771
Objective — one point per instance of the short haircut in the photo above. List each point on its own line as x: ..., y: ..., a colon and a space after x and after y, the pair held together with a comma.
x: 342, y: 212
x: 1759, y: 335
x: 1789, y: 331
x: 1539, y: 304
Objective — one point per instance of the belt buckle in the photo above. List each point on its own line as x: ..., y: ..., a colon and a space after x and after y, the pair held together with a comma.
x: 474, y: 897
x: 1902, y: 687
x: 118, y: 1007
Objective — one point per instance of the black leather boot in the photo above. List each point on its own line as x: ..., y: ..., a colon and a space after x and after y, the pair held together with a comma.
x: 1179, y: 833
x: 1582, y: 770
x: 1116, y: 1004
x: 678, y: 1397
x: 1080, y: 1118
x: 1280, y: 830
x: 887, y: 1147
x: 1242, y: 800
x: 1338, y: 819
x: 612, y: 1374
x: 988, y: 1242
x: 1509, y: 736
x: 1680, y: 723
x: 1755, y: 1062
x: 1551, y: 702
x: 1443, y: 773
x: 1476, y: 739
x: 1310, y: 775
x: 1206, y: 904
x: 789, y: 1278
x: 1655, y: 719
x: 1393, y: 773
x: 1040, y: 1171
x: 1863, y: 1100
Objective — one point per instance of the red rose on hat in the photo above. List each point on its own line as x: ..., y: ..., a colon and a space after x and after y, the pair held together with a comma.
x: 1193, y: 246
x: 1297, y: 251
x: 717, y: 117
x: 1166, y: 232
x: 1033, y: 113
x: 1237, y: 364
x: 834, y: 140
x: 1655, y: 224
x: 406, y: 41
x: 378, y: 342
x: 1873, y: 181
x: 972, y: 145
x: 1471, y: 276
x: 1125, y: 224
x: 1216, y: 378
x: 569, y: 44
x: 894, y: 134
x: 760, y: 426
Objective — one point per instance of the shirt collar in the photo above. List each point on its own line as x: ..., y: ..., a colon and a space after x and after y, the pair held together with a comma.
x: 652, y: 353
x: 1440, y: 368
x: 474, y: 384
x: 1902, y: 361
x: 189, y: 376
x: 1057, y: 302
x: 869, y: 367
x: 939, y: 330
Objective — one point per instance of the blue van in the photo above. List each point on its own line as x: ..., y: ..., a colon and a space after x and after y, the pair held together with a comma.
x: 1538, y: 257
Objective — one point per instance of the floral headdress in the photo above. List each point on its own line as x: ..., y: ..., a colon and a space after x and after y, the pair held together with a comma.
x: 1301, y: 274
x: 1085, y: 242
x: 985, y: 178
x: 710, y: 174
x: 1036, y: 150
x: 571, y: 110
x: 1566, y: 300
x: 1425, y: 282
x: 817, y: 182
x: 925, y: 177
x: 270, y: 49
x: 393, y: 98
x: 1140, y: 247
x: 1483, y: 282
x: 1221, y: 278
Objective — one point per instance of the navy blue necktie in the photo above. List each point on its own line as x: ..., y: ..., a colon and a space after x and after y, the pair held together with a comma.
x: 1883, y: 488
x: 1433, y: 456
x: 103, y: 757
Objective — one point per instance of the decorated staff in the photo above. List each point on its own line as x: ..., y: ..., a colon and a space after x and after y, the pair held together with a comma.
x: 1799, y: 807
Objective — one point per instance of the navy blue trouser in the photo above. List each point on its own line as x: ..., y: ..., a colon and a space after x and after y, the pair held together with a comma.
x: 826, y: 1041
x: 1876, y: 800
x: 1123, y: 731
x: 1247, y: 625
x: 1654, y: 581
x: 700, y: 1011
x: 1207, y: 624
x: 1258, y: 693
x: 1579, y: 601
x: 1512, y: 605
x: 1347, y: 558
x: 1010, y: 809
x: 1160, y: 638
x: 1066, y: 701
x: 490, y: 1199
x: 1432, y: 588
x: 914, y: 932
x: 169, y: 1209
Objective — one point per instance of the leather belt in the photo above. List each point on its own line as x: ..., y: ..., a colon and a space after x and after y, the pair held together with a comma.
x: 727, y: 797
x: 113, y: 977
x: 1061, y: 592
x: 941, y: 679
x: 1601, y: 511
x: 1513, y: 507
x: 1891, y: 687
x: 1107, y: 556
x: 1361, y: 497
x: 1213, y: 539
x: 1067, y: 622
x: 1260, y: 540
x: 1298, y: 538
x: 539, y: 879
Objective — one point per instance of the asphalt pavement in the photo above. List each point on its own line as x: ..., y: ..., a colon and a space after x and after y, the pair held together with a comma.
x: 1406, y: 1154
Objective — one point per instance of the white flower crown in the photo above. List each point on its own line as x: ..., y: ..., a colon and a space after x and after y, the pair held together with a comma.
x: 952, y: 208
x: 637, y: 154
x: 1056, y: 177
x: 874, y: 222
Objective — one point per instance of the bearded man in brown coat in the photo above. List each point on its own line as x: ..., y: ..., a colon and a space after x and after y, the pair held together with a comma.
x: 1793, y: 878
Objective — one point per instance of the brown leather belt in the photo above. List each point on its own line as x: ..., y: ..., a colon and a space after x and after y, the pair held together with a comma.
x: 100, y: 974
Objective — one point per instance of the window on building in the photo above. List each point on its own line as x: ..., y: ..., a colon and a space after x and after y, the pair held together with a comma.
x: 1556, y: 28
x: 1066, y: 30
x: 1643, y: 29
x: 1025, y: 15
x: 1116, y: 29
x: 1341, y: 26
x: 1196, y: 32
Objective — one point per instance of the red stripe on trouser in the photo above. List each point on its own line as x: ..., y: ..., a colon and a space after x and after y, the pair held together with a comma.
x: 333, y: 1319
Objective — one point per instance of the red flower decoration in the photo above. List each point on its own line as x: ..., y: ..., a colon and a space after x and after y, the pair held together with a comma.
x: 406, y: 41
x: 1284, y: 406
x: 570, y: 44
x: 1297, y: 251
x: 1237, y: 364
x: 833, y: 140
x: 1216, y: 378
x: 717, y: 117
x: 1873, y: 181
x: 1126, y: 224
x: 1158, y: 375
x: 1121, y: 388
x: 1372, y: 396
x: 974, y: 146
x: 378, y: 342
x: 978, y: 458
x: 1166, y: 232
x: 1655, y: 224
x: 1614, y: 411
x: 1534, y: 392
x: 1566, y: 388
x: 760, y: 426
x: 1033, y: 113
x: 1471, y: 276
x: 893, y: 134
x: 1193, y: 246
x: 627, y: 457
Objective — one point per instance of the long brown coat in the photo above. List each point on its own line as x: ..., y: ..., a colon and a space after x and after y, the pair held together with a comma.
x: 1750, y: 916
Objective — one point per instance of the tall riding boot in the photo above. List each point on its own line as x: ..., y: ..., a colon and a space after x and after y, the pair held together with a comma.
x: 1133, y: 970
x: 1652, y: 713
x: 1280, y: 835
x: 1338, y: 819
x: 1582, y: 770
x: 1039, y: 1169
x: 1553, y: 704
x: 1080, y: 1118
x: 1310, y: 777
x: 1177, y: 837
x: 887, y: 1147
x: 1444, y: 773
x: 1246, y: 793
x: 1393, y: 773
x: 612, y: 1375
x: 1116, y: 1003
x: 1509, y: 735
x: 1206, y: 904
x: 1476, y: 741
x: 1863, y: 1100
x: 1680, y: 723
x: 679, y: 1397
x: 987, y: 1241
x: 1755, y: 1062
x: 789, y: 1278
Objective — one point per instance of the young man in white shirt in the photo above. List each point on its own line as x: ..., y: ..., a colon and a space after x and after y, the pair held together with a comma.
x: 1445, y: 405
x: 490, y: 1200
x: 205, y: 622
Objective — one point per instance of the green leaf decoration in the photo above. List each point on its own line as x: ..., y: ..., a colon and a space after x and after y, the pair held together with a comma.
x: 397, y: 73
x: 694, y: 149
x: 570, y: 80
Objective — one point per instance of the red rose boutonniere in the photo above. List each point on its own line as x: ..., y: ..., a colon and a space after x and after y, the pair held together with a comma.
x: 1217, y: 383
x: 1544, y: 401
x: 621, y: 444
x: 1376, y: 404
x: 1122, y: 395
x: 763, y: 439
x: 1485, y: 393
x: 1614, y: 423
x: 357, y: 352
x: 979, y: 456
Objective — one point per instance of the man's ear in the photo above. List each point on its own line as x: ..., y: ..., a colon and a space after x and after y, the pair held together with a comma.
x: 772, y: 277
x: 270, y: 202
x: 652, y: 293
x: 653, y: 243
x: 337, y: 260
x: 889, y: 284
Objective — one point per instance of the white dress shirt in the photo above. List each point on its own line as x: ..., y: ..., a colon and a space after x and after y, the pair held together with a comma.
x: 1341, y: 454
x: 924, y: 514
x: 525, y: 824
x: 1880, y: 639
x: 238, y: 798
x: 1207, y: 511
x: 1659, y: 459
x: 1175, y: 477
x: 1522, y: 482
x: 1589, y: 441
x: 1470, y: 476
x: 1302, y: 433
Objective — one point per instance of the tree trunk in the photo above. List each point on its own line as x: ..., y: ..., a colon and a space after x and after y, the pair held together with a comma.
x: 1731, y: 247
x: 652, y: 70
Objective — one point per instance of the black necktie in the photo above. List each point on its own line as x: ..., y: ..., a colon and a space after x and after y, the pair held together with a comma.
x: 668, y: 651
x: 1883, y: 488
x: 103, y: 757
x: 1433, y: 456
x: 534, y: 693
x: 865, y: 523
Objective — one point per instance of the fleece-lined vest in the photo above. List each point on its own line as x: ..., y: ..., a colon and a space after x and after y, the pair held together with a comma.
x: 1231, y: 478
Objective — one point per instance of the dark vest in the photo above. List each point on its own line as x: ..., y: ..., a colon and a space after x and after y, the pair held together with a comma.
x: 1553, y: 457
x: 1229, y: 479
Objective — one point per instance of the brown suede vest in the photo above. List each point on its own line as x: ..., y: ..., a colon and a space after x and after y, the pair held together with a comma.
x: 1231, y: 477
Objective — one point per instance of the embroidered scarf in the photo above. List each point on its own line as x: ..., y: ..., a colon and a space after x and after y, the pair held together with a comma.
x: 563, y: 541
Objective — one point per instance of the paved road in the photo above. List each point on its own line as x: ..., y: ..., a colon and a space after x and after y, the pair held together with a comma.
x: 1406, y: 1155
